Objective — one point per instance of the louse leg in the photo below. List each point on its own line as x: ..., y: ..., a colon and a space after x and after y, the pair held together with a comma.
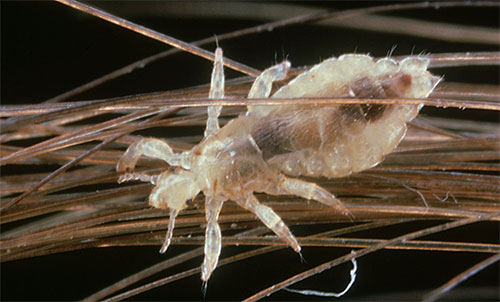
x: 154, y: 148
x: 138, y: 176
x: 270, y: 219
x: 310, y: 190
x: 216, y: 92
x: 172, y: 190
x: 170, y: 230
x: 213, y: 236
x: 261, y: 87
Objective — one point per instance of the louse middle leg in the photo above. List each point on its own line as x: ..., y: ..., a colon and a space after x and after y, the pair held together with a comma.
x: 272, y: 220
x: 309, y: 190
x: 213, y: 236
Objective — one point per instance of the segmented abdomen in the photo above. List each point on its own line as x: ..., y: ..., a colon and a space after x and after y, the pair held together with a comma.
x: 334, y: 141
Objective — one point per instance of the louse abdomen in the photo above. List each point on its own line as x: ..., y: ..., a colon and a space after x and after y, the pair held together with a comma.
x: 316, y: 126
x: 328, y: 142
x: 337, y: 140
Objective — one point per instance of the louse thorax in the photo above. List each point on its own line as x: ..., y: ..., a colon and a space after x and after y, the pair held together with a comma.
x: 335, y: 141
x: 229, y: 163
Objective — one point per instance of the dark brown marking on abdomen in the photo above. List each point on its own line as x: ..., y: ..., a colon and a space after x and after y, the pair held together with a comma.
x: 389, y: 87
x: 272, y: 138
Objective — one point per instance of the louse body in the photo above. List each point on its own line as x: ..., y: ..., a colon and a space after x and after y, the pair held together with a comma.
x: 261, y: 150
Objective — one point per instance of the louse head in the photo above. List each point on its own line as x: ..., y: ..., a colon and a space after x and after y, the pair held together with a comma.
x: 173, y: 190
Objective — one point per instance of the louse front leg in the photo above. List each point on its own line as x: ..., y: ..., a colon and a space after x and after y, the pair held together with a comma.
x: 170, y: 230
x: 172, y: 190
x: 138, y: 176
x: 270, y: 219
x: 216, y: 92
x: 213, y: 236
x: 309, y: 190
x: 154, y: 148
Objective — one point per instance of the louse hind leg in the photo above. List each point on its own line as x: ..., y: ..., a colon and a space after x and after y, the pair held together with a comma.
x: 309, y: 190
x: 270, y: 219
x: 154, y: 148
x: 216, y: 92
x: 213, y: 237
x: 261, y: 87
